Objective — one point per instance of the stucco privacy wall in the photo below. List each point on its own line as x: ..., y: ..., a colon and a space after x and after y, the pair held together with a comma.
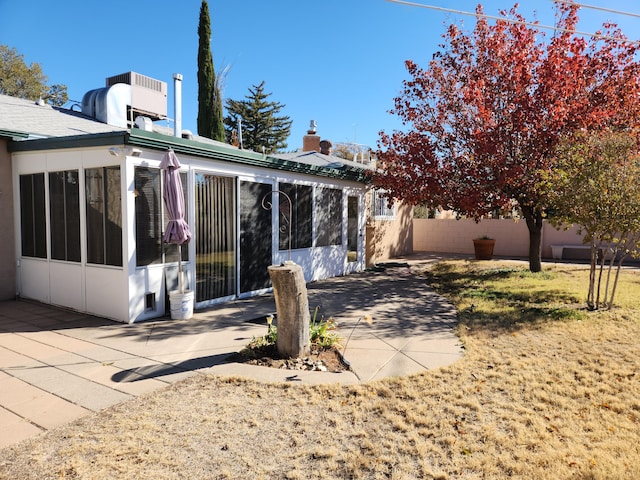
x: 390, y: 238
x: 512, y: 237
x: 7, y: 243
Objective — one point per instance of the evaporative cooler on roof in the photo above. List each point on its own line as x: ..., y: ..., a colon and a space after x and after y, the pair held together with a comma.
x: 148, y: 95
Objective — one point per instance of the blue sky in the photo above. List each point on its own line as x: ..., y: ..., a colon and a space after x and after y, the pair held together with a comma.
x: 339, y: 62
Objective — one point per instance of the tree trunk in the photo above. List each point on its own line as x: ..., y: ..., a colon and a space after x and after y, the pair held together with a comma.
x: 615, y: 282
x: 593, y: 271
x: 292, y: 305
x: 534, y: 224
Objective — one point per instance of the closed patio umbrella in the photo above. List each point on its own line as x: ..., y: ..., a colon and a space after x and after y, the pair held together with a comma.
x: 177, y: 231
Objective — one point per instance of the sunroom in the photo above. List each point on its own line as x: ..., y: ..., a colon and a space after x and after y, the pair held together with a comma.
x: 90, y: 220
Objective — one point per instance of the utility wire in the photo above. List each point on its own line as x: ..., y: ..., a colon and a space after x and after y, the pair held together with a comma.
x: 520, y: 22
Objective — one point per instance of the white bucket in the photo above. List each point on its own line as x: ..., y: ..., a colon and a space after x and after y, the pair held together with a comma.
x: 181, y: 304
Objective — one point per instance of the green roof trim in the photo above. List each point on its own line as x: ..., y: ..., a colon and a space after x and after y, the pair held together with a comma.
x: 12, y: 134
x: 158, y: 141
x: 143, y: 138
x: 74, y: 141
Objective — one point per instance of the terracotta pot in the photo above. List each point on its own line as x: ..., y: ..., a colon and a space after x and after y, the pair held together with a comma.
x: 483, y: 248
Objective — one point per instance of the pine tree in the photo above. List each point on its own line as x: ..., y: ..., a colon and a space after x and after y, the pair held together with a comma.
x: 210, y: 123
x: 261, y: 127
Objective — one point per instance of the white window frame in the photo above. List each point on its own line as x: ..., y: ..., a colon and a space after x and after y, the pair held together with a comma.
x: 380, y: 206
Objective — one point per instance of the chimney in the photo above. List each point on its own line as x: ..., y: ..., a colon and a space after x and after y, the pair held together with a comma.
x: 311, y: 141
x: 325, y: 147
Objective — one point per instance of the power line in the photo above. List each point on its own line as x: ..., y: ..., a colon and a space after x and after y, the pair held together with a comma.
x: 520, y: 22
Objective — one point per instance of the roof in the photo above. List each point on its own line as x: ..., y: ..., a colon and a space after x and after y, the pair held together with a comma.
x: 22, y: 118
x: 42, y: 127
x: 26, y: 119
x: 321, y: 160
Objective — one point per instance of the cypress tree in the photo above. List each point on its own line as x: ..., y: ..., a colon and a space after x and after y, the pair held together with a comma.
x: 218, y: 122
x: 210, y: 123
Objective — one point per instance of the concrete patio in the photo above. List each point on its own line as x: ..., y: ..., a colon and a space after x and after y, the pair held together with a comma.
x: 57, y: 365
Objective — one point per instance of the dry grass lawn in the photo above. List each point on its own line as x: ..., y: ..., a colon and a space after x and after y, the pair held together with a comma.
x: 546, y: 390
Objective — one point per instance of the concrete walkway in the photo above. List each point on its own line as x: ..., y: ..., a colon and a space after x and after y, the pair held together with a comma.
x: 57, y: 365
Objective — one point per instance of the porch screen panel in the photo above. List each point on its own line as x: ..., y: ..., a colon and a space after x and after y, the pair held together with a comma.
x: 171, y: 249
x: 64, y: 210
x: 328, y: 217
x: 299, y: 225
x: 255, y: 236
x: 215, y: 237
x: 352, y: 229
x: 148, y: 210
x: 104, y: 215
x: 32, y: 216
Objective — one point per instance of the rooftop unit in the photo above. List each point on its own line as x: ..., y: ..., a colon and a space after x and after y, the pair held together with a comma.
x: 126, y: 97
x: 148, y: 95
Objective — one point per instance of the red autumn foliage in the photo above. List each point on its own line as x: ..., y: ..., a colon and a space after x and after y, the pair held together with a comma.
x: 485, y: 117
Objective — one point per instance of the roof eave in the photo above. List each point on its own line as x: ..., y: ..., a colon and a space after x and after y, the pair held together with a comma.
x: 12, y: 134
x: 158, y: 141
x: 73, y: 141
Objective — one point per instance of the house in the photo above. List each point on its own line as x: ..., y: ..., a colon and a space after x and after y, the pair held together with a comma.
x: 389, y: 225
x: 83, y: 216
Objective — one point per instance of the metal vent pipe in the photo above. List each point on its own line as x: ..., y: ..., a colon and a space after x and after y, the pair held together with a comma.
x: 177, y: 104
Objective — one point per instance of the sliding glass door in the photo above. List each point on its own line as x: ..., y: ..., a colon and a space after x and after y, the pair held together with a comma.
x: 255, y: 236
x: 216, y: 240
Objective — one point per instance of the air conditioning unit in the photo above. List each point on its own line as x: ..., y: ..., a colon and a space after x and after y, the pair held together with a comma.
x: 148, y: 95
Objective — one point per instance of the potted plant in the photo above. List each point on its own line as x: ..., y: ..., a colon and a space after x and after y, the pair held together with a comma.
x: 483, y: 247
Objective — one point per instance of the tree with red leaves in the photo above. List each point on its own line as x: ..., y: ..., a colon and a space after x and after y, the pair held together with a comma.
x: 486, y: 116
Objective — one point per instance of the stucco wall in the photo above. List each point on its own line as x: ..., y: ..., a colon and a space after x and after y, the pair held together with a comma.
x: 512, y: 237
x: 7, y: 242
x: 388, y: 239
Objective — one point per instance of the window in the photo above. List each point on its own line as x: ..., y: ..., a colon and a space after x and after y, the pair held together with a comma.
x: 148, y: 216
x: 104, y: 216
x: 380, y: 206
x: 64, y: 210
x: 328, y: 217
x: 151, y: 218
x: 299, y: 225
x: 216, y: 242
x: 32, y: 216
